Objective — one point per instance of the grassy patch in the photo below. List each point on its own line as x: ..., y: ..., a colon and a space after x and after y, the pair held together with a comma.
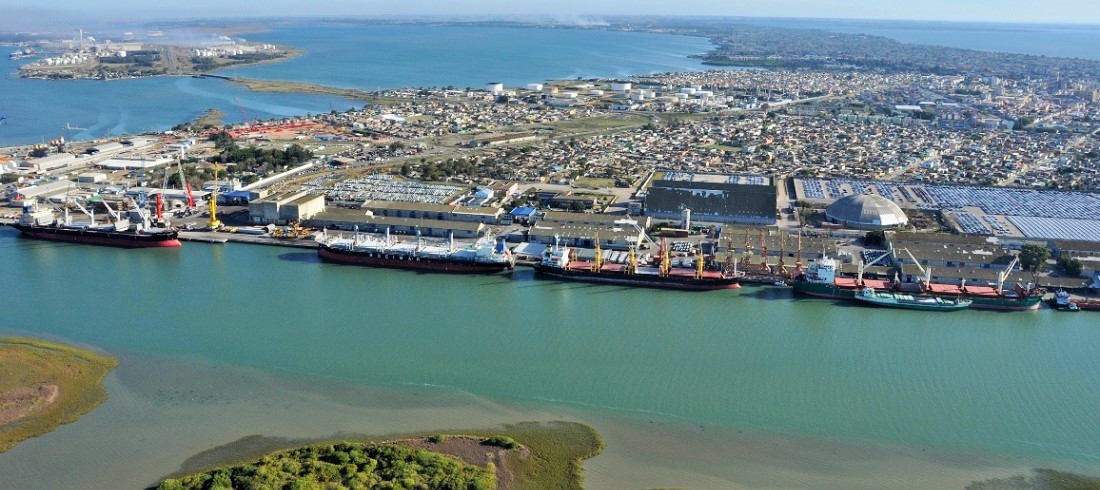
x: 1041, y: 478
x: 596, y: 124
x: 594, y: 183
x: 345, y: 465
x: 543, y: 455
x: 557, y: 451
x: 28, y: 364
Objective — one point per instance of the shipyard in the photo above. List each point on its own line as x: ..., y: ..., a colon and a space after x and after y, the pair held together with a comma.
x: 721, y: 175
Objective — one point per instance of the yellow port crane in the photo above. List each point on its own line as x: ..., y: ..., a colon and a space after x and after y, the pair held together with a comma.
x: 214, y: 224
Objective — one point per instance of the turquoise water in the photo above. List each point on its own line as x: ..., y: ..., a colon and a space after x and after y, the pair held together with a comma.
x: 39, y: 110
x: 366, y: 57
x: 697, y: 390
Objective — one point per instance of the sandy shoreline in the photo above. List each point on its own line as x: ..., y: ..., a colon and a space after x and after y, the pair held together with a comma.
x: 21, y: 403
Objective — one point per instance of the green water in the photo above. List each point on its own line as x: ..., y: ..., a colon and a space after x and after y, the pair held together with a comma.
x: 718, y: 389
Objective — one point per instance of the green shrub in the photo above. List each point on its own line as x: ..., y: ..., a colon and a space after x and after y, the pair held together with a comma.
x: 501, y: 441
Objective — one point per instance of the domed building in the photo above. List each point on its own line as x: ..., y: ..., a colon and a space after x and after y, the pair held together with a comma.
x: 866, y: 212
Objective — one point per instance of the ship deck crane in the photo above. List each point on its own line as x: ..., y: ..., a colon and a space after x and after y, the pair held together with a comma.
x: 185, y: 185
x: 927, y: 272
x: 1002, y: 276
x: 863, y: 267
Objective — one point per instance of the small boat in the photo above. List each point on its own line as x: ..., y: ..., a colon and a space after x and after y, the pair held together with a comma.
x: 780, y: 283
x: 890, y: 299
x: 1063, y: 302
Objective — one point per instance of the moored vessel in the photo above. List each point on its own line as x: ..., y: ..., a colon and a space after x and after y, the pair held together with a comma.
x: 560, y: 262
x: 484, y: 256
x: 890, y: 299
x: 821, y: 279
x: 128, y: 229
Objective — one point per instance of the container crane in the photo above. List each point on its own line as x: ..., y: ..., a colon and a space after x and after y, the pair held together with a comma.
x: 213, y: 223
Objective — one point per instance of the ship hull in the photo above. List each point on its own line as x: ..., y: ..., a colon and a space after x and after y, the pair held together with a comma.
x: 905, y: 305
x: 121, y: 239
x: 639, y: 280
x: 977, y: 302
x: 408, y: 262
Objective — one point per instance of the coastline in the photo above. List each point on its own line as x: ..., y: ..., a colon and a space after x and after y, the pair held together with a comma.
x: 291, y: 53
x: 52, y: 385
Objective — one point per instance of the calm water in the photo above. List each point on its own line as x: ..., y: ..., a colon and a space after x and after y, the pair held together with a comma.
x: 719, y: 389
x: 369, y: 57
x: 366, y: 57
x: 1073, y: 41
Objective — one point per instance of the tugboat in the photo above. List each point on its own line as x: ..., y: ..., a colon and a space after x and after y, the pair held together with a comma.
x: 1062, y: 302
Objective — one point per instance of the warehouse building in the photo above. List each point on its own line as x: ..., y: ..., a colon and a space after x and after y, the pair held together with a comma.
x: 43, y: 191
x: 441, y: 212
x: 590, y: 219
x: 286, y: 207
x: 712, y: 198
x: 350, y: 219
x: 617, y: 238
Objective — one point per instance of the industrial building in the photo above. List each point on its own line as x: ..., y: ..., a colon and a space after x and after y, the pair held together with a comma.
x: 43, y: 191
x: 442, y: 212
x: 712, y: 198
x: 866, y: 212
x: 591, y: 220
x: 51, y: 162
x: 612, y: 238
x: 286, y: 207
x: 365, y: 221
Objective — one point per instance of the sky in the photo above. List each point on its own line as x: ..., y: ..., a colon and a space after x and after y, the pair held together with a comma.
x: 36, y: 14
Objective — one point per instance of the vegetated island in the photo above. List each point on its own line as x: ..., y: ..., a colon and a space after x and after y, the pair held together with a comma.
x: 516, y: 456
x: 100, y: 62
x: 280, y: 86
x: 44, y: 385
x: 209, y: 119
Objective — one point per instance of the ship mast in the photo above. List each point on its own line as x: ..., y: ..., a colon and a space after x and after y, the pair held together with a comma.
x: 598, y: 263
x: 798, y: 261
x: 699, y: 265
x: 748, y: 252
x: 665, y: 260
x: 632, y: 262
x: 764, y: 254
x: 782, y: 245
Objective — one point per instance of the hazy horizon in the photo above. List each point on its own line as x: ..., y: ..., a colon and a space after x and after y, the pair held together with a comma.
x: 24, y: 15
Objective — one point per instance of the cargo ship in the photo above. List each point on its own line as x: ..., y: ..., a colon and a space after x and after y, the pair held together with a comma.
x: 890, y: 299
x: 485, y: 256
x: 820, y: 279
x: 129, y: 229
x: 561, y: 263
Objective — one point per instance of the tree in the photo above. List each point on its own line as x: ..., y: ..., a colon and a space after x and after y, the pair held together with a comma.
x: 1071, y: 266
x: 1034, y: 257
x: 877, y: 237
x: 39, y: 152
